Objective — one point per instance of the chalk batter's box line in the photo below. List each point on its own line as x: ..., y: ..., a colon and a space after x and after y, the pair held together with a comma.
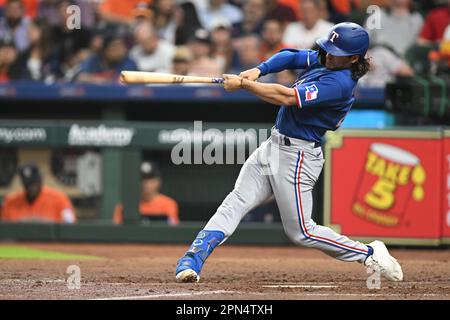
x: 171, y: 295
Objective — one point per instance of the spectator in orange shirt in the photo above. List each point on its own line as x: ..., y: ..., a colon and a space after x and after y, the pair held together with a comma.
x: 120, y: 11
x: 37, y: 203
x: 154, y: 205
x: 31, y: 7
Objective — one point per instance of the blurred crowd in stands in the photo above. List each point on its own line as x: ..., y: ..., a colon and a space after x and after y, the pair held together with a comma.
x: 40, y: 40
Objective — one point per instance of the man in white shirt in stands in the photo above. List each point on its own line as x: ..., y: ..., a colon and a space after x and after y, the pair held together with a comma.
x: 384, y: 67
x: 219, y: 9
x: 150, y: 53
x: 399, y: 27
x: 302, y: 35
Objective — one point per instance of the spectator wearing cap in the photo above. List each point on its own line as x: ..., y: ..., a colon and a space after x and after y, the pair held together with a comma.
x: 150, y: 53
x: 14, y: 25
x: 203, y: 64
x: 37, y: 202
x: 435, y: 24
x: 399, y: 27
x: 105, y: 67
x: 9, y: 66
x: 254, y: 14
x: 303, y: 35
x: 153, y: 204
x: 219, y: 9
x: 181, y: 62
x: 272, y: 39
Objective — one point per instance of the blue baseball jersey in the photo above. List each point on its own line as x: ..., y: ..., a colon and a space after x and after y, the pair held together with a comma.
x: 324, y: 97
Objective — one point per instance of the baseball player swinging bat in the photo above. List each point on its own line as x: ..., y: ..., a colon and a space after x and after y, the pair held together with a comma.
x: 317, y: 101
x: 137, y: 77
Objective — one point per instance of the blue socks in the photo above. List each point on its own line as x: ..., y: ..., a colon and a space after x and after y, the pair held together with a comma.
x: 203, y: 245
x: 369, y: 253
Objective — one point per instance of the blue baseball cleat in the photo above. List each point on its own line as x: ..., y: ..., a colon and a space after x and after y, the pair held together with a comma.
x: 191, y: 264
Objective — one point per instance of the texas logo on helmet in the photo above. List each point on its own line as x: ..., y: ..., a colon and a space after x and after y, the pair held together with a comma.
x: 345, y: 39
x: 311, y: 92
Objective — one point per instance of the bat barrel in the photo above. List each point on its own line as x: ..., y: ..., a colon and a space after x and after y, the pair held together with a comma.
x: 137, y: 77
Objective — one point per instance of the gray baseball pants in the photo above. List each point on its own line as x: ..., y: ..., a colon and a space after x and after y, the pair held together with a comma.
x: 289, y: 172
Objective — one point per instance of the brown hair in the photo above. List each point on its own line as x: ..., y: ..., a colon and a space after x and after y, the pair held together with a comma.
x: 360, y: 68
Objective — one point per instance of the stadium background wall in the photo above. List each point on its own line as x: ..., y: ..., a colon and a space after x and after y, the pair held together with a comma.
x: 139, y: 112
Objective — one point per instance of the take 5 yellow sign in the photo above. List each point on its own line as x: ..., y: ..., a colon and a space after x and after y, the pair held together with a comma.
x: 384, y: 184
x: 391, y: 178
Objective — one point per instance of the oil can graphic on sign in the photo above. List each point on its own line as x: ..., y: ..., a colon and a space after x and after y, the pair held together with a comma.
x: 390, y: 180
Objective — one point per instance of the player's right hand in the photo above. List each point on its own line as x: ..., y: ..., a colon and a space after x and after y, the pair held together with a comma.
x: 251, y: 74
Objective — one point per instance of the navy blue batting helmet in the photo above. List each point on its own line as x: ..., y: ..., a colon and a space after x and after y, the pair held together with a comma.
x: 345, y: 39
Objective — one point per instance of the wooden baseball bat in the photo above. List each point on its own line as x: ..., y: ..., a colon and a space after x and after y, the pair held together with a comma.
x: 138, y: 77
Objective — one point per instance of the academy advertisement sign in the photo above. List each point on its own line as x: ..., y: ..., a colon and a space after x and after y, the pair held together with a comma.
x: 393, y: 190
x: 100, y: 135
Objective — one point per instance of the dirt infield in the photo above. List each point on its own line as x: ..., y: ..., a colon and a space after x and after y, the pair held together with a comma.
x: 147, y: 272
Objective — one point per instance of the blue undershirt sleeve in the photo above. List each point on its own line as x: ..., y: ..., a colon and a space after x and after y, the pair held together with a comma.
x: 288, y: 59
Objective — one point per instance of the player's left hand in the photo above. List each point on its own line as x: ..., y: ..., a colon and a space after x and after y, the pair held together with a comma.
x: 232, y: 82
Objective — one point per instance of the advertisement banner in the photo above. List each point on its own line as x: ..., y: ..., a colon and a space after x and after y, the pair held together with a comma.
x: 446, y: 189
x: 122, y: 134
x: 385, y: 185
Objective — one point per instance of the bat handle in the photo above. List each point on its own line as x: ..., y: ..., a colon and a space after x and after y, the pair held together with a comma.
x: 217, y: 80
